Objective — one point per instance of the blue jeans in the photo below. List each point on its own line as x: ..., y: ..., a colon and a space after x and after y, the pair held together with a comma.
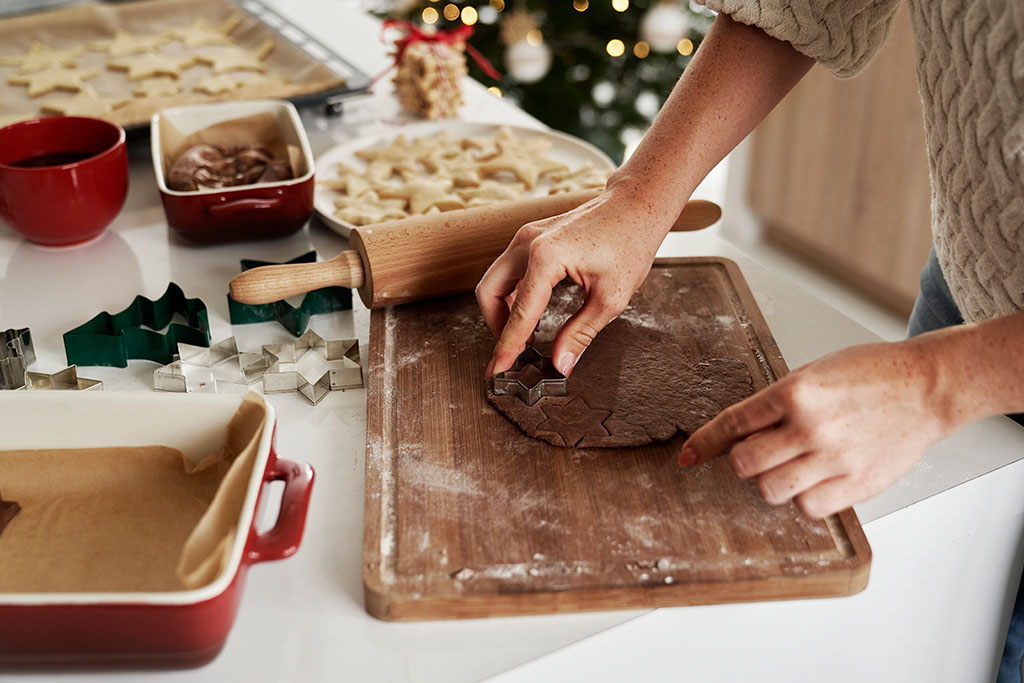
x: 934, y: 309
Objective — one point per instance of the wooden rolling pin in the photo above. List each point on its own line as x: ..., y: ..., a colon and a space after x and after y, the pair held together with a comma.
x: 426, y: 256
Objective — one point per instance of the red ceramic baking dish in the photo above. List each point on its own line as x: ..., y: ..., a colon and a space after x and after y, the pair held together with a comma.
x: 232, y: 214
x: 184, y: 628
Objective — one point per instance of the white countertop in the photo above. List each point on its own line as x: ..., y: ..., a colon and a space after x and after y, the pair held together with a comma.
x: 944, y: 572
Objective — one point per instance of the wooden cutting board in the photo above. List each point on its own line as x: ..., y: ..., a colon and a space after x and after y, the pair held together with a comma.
x: 468, y: 517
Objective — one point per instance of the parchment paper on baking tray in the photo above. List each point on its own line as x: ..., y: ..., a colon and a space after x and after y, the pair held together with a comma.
x: 81, y: 24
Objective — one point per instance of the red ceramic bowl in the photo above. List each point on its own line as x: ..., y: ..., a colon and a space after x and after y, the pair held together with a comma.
x: 63, y: 179
x: 232, y: 214
x: 178, y: 628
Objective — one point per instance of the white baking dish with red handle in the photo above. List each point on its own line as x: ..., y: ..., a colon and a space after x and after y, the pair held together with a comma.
x: 186, y: 627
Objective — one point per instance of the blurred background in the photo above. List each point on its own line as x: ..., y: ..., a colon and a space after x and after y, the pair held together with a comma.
x: 832, y: 189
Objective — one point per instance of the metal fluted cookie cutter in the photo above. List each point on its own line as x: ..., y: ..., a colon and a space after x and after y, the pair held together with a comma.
x: 531, y: 377
x: 217, y: 369
x: 312, y: 366
x: 16, y: 354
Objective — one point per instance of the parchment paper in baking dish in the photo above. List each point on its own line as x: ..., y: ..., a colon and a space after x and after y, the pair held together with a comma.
x: 78, y: 25
x: 125, y: 519
x: 259, y: 129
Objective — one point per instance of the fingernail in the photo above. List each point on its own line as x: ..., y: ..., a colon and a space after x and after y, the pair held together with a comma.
x: 687, y: 457
x: 566, y: 362
x: 490, y: 369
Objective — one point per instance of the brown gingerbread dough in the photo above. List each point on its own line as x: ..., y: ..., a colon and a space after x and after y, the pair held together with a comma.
x: 207, y: 166
x: 634, y: 385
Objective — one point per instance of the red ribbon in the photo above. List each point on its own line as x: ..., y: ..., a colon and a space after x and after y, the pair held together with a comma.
x: 414, y: 34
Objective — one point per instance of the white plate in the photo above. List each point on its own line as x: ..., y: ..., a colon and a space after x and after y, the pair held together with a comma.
x: 567, y: 149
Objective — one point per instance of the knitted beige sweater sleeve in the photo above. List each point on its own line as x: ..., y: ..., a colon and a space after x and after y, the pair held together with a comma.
x: 842, y: 35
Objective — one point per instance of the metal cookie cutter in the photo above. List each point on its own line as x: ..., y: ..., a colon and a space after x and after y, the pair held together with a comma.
x: 113, y: 339
x: 16, y: 354
x: 295, y: 319
x: 312, y: 366
x: 217, y: 369
x: 66, y: 379
x: 531, y: 377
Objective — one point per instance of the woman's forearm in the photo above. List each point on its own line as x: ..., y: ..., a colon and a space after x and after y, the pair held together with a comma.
x: 737, y: 76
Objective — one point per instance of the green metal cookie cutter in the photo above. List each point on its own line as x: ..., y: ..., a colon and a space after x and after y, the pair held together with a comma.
x: 295, y: 319
x: 113, y: 339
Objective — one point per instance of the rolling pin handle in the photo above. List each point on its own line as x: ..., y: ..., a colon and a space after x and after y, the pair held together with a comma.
x: 267, y: 284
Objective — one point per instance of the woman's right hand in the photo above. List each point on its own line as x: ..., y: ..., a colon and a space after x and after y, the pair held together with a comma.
x: 606, y: 246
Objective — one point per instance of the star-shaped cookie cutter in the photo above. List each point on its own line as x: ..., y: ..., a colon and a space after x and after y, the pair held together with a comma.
x: 312, y: 366
x: 531, y: 377
x: 16, y: 354
x: 111, y: 339
x: 295, y: 319
x: 219, y: 368
x: 64, y: 380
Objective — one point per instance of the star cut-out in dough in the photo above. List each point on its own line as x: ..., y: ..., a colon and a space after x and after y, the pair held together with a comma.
x: 202, y: 33
x: 236, y: 59
x: 48, y: 80
x: 150, y: 64
x: 40, y: 56
x: 124, y: 44
x: 574, y: 421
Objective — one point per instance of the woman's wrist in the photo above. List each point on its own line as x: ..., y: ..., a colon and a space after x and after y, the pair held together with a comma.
x: 649, y: 205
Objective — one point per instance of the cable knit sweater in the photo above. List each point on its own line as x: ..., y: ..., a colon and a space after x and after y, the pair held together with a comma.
x: 970, y: 72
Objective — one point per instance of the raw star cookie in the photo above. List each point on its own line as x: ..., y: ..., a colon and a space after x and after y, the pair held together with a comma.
x: 383, y: 162
x: 56, y: 78
x: 215, y: 85
x: 202, y: 33
x: 158, y: 87
x: 150, y: 64
x: 236, y: 59
x: 586, y: 177
x: 491, y: 191
x: 348, y: 182
x: 124, y: 44
x: 369, y: 209
x: 41, y: 57
x: 86, y: 103
x: 527, y: 166
x: 463, y: 169
x: 423, y: 194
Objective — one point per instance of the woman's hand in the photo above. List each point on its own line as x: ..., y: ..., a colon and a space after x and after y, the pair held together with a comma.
x: 606, y: 246
x: 839, y: 430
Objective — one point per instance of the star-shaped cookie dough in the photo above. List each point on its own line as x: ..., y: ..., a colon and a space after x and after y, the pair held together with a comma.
x: 423, y: 194
x: 526, y: 165
x: 124, y: 43
x: 236, y: 59
x: 348, y: 182
x: 398, y: 156
x: 202, y: 33
x: 485, y: 147
x: 86, y: 103
x: 585, y: 177
x: 573, y: 421
x: 150, y: 64
x: 369, y: 209
x: 56, y: 78
x: 215, y: 85
x: 41, y: 57
x: 491, y: 191
x: 158, y: 87
x: 463, y: 169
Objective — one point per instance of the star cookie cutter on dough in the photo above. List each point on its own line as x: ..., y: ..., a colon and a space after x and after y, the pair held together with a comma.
x: 531, y: 377
x: 219, y: 368
x: 295, y: 319
x: 312, y: 366
x: 112, y: 339
x: 16, y: 354
x: 64, y: 380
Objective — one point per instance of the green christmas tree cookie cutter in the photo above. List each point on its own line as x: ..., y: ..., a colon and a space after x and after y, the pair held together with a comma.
x: 113, y: 339
x: 295, y: 319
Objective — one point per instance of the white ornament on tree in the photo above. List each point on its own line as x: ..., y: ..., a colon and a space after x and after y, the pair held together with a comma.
x: 664, y: 26
x: 528, y: 63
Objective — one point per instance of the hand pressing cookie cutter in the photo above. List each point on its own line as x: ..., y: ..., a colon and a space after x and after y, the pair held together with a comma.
x: 220, y: 368
x: 312, y: 366
x: 531, y: 377
x: 113, y: 339
x: 64, y: 380
x: 295, y: 319
x: 16, y: 354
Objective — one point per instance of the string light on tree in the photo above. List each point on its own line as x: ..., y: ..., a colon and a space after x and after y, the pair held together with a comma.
x: 663, y: 26
x: 527, y: 57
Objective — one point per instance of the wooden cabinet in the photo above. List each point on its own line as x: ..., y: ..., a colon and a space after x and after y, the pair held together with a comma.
x: 838, y: 172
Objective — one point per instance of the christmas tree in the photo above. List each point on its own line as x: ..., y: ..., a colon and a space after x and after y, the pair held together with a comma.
x: 598, y: 69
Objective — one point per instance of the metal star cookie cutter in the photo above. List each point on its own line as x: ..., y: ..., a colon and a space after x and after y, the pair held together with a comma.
x: 64, y: 380
x: 111, y: 339
x: 219, y: 368
x: 531, y: 377
x: 312, y: 366
x: 295, y: 319
x: 16, y: 354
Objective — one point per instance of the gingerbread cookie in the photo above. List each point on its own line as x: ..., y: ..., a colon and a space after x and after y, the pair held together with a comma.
x: 369, y: 209
x: 236, y: 59
x: 201, y: 33
x: 55, y: 78
x: 40, y: 57
x: 151, y: 64
x: 124, y: 44
x: 86, y: 103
